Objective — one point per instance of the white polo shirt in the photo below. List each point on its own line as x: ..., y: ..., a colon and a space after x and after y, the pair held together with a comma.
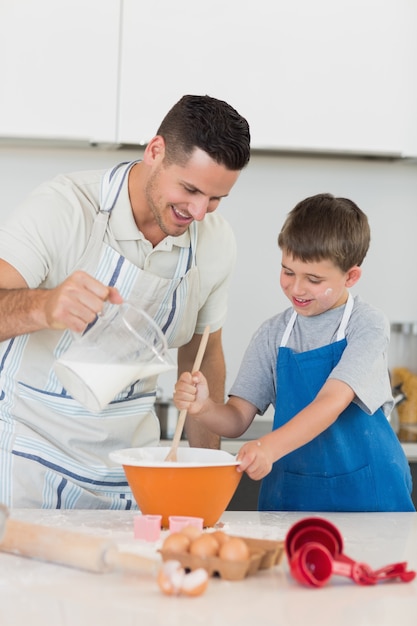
x: 47, y: 234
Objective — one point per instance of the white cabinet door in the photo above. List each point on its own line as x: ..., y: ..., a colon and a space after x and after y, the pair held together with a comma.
x: 59, y: 68
x: 329, y: 75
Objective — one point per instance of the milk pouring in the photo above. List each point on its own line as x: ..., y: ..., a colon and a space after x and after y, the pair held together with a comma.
x: 123, y: 346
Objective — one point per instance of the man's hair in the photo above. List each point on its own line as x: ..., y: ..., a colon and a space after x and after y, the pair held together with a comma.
x: 323, y: 227
x: 208, y: 124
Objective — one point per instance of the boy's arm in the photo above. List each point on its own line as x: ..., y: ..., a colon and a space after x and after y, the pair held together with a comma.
x: 257, y: 457
x: 226, y: 420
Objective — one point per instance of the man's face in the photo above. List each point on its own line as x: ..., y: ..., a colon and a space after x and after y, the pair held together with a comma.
x: 178, y: 195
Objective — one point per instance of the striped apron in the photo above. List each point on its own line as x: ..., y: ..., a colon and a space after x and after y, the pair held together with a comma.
x: 53, y: 452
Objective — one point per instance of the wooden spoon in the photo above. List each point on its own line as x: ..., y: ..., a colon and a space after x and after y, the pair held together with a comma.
x: 172, y: 454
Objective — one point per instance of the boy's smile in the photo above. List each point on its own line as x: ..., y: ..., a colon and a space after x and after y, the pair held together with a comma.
x: 316, y: 286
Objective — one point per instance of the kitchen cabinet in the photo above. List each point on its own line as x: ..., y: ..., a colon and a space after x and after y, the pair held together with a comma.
x: 246, y: 495
x: 316, y: 76
x: 59, y: 69
x: 322, y: 77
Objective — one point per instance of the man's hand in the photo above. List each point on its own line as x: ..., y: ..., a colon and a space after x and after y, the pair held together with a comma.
x: 77, y: 301
x: 73, y: 304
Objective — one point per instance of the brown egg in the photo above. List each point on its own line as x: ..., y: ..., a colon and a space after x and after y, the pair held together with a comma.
x: 234, y: 550
x: 192, y: 532
x: 195, y: 583
x: 173, y: 580
x: 176, y: 542
x: 220, y: 537
x: 170, y: 577
x: 204, y: 546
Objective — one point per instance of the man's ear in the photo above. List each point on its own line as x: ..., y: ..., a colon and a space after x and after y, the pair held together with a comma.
x: 353, y: 275
x: 155, y: 150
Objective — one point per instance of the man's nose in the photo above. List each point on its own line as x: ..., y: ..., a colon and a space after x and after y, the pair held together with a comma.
x: 198, y: 209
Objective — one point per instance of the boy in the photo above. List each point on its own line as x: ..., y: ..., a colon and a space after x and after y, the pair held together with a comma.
x: 331, y: 447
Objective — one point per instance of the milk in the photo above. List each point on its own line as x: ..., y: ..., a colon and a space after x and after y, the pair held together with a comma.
x: 94, y: 385
x: 122, y: 346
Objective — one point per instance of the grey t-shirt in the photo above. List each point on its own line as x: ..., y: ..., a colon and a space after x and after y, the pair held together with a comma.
x: 363, y: 365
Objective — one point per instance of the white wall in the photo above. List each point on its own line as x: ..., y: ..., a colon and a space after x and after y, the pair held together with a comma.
x: 266, y: 191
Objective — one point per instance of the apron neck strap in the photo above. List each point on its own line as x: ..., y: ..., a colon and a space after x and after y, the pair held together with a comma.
x: 345, y: 319
x: 342, y: 327
x: 288, y: 330
x: 111, y: 184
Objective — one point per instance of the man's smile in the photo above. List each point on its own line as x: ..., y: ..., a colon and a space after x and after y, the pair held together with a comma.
x: 181, y: 215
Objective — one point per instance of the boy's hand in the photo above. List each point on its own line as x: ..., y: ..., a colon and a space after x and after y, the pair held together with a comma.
x: 255, y: 459
x: 191, y: 392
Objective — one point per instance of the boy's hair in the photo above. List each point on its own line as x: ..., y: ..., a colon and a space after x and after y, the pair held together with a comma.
x: 324, y: 227
x: 209, y: 124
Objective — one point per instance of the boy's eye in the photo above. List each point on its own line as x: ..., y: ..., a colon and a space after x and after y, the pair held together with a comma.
x: 315, y: 281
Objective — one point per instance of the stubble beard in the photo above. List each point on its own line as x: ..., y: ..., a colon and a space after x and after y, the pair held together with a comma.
x: 155, y: 208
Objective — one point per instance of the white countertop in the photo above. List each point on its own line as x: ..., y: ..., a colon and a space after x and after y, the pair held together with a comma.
x: 43, y: 594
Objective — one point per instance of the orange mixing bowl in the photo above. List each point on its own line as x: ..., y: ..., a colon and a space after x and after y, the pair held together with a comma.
x: 200, y: 484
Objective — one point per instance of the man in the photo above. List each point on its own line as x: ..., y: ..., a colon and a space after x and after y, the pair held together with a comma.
x: 146, y: 232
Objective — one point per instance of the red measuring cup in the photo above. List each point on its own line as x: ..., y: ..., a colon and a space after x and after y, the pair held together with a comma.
x: 314, y: 547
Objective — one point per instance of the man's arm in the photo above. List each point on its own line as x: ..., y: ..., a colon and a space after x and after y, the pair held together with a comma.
x: 17, y: 303
x: 73, y: 304
x: 214, y: 369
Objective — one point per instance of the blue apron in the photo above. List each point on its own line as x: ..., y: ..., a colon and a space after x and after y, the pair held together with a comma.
x: 357, y: 464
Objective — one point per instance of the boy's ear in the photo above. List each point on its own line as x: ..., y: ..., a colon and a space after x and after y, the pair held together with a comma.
x: 353, y: 275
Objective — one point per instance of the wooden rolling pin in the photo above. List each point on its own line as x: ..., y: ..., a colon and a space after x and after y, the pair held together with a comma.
x: 70, y: 548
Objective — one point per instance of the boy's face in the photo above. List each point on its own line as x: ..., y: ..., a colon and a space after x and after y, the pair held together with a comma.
x: 316, y: 286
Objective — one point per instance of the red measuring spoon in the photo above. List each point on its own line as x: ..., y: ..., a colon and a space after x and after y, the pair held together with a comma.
x: 314, y: 548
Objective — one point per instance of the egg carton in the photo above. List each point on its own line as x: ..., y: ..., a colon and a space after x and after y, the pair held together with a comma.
x: 264, y: 553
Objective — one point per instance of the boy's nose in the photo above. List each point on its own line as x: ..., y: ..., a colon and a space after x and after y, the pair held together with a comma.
x: 298, y: 286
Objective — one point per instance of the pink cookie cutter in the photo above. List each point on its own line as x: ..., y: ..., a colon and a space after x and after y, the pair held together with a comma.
x: 178, y: 522
x: 147, y: 527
